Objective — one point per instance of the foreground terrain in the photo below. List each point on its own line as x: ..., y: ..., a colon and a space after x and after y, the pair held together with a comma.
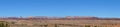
x: 62, y: 22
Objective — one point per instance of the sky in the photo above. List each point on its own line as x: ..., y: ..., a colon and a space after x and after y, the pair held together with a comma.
x: 98, y: 8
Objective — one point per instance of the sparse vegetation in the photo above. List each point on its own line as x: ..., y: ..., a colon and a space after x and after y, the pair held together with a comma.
x: 3, y: 24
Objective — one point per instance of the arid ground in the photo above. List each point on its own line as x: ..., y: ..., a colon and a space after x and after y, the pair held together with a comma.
x: 63, y: 22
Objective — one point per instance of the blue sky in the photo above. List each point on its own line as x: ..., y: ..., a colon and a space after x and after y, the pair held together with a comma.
x: 99, y: 8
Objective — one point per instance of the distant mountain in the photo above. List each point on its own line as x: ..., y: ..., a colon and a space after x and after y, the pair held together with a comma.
x: 58, y: 18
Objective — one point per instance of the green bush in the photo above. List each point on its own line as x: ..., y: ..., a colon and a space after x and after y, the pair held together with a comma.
x: 3, y: 24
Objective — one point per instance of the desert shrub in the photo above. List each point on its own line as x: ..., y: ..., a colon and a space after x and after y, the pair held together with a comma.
x: 56, y: 25
x: 13, y: 22
x: 87, y: 25
x: 97, y: 26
